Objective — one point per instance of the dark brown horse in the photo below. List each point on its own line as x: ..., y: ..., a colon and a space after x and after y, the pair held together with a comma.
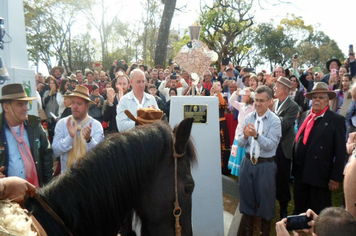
x: 131, y: 171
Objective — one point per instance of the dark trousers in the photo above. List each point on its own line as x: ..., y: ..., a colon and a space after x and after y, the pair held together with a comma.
x: 307, y: 196
x: 282, y: 178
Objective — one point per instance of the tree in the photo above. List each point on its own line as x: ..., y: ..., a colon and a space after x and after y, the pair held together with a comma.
x: 103, y: 25
x: 48, y: 26
x: 223, y: 25
x: 274, y: 45
x: 81, y: 52
x: 163, y: 33
x: 277, y: 43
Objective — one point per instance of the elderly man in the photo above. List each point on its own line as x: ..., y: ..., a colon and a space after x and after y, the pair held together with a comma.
x: 77, y: 134
x: 111, y: 103
x: 134, y: 100
x: 57, y: 72
x: 173, y: 79
x: 25, y: 149
x: 260, y: 137
x: 318, y: 153
x: 287, y: 110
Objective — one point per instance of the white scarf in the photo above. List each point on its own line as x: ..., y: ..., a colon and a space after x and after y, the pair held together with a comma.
x: 255, y: 147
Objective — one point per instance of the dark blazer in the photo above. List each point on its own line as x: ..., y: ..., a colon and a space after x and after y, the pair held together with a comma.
x: 109, y: 115
x: 40, y: 148
x: 207, y: 92
x: 299, y: 99
x: 287, y: 114
x: 328, y: 144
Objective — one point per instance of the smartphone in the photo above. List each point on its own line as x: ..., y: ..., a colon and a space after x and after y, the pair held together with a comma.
x: 316, y: 69
x: 170, y: 62
x: 225, y: 61
x: 118, y: 63
x: 242, y: 92
x: 351, y: 49
x: 333, y: 71
x: 296, y: 222
x: 173, y: 77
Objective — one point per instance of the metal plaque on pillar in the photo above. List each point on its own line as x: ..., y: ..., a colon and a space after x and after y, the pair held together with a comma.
x: 207, y: 205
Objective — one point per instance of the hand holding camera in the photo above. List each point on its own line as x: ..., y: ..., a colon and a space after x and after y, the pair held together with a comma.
x: 304, y: 222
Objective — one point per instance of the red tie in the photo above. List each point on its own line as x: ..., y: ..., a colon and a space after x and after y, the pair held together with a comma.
x: 308, y: 125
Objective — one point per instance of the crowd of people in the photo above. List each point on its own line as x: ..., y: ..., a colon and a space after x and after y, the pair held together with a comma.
x: 289, y: 124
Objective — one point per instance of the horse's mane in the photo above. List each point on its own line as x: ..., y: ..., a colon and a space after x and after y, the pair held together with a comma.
x: 112, y: 177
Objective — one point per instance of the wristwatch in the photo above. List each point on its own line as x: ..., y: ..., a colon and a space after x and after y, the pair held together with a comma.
x: 256, y: 137
x: 88, y: 141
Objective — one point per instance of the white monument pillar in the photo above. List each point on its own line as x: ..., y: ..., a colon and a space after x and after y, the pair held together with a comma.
x: 207, y: 200
x: 14, y: 55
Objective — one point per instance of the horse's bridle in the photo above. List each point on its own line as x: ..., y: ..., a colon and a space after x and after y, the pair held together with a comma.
x: 177, y: 211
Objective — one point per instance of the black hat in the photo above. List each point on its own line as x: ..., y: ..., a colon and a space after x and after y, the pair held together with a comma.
x: 331, y: 60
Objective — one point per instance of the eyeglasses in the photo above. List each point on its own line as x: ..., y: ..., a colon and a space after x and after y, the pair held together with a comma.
x: 321, y: 97
x: 260, y: 100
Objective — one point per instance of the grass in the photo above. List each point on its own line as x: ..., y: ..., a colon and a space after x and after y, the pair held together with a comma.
x: 337, y: 201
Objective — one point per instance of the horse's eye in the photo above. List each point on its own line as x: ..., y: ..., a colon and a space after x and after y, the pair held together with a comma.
x: 189, y: 189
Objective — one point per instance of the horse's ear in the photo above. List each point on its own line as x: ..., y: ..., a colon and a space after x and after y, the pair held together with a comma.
x: 182, y: 135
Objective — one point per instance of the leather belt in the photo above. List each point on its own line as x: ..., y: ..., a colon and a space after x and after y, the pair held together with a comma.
x: 259, y: 160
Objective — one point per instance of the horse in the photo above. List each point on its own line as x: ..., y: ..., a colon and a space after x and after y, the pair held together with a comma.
x: 128, y: 172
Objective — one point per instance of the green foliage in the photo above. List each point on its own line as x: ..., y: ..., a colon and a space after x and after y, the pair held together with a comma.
x: 277, y: 43
x: 224, y: 28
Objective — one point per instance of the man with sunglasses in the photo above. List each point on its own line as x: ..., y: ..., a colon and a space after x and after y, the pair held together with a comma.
x: 318, y: 153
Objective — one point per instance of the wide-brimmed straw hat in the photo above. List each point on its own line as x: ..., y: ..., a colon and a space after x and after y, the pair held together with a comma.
x: 145, y: 115
x: 321, y: 87
x: 331, y: 60
x: 14, y: 91
x: 81, y: 92
x: 286, y: 82
x: 56, y: 68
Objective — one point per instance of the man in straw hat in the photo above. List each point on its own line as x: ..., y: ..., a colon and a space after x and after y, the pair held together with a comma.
x: 318, y: 153
x: 287, y: 110
x: 78, y: 133
x: 134, y: 100
x: 24, y: 148
x: 57, y: 72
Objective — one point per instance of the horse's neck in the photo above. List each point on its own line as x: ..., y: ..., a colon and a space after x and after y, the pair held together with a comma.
x: 85, y: 209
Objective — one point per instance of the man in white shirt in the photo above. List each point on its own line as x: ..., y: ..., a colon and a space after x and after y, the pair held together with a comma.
x: 173, y: 79
x: 134, y: 100
x: 75, y: 135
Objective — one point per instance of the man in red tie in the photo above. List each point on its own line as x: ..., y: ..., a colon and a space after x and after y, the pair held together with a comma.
x: 318, y: 153
x: 24, y: 148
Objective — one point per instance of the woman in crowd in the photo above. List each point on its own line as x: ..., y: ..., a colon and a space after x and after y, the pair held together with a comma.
x: 64, y: 88
x: 244, y: 107
x: 296, y: 94
x: 51, y: 106
x: 342, y: 94
x: 216, y: 90
x: 95, y: 109
x: 261, y: 78
x: 253, y: 81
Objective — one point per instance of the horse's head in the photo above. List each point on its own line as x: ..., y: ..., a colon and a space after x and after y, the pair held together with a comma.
x: 160, y: 204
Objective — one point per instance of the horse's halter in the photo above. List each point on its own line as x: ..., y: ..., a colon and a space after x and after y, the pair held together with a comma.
x: 177, y: 211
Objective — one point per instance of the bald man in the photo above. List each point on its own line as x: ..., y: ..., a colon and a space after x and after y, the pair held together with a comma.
x: 134, y: 100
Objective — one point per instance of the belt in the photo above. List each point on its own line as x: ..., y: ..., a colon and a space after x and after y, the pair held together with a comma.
x: 259, y: 160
